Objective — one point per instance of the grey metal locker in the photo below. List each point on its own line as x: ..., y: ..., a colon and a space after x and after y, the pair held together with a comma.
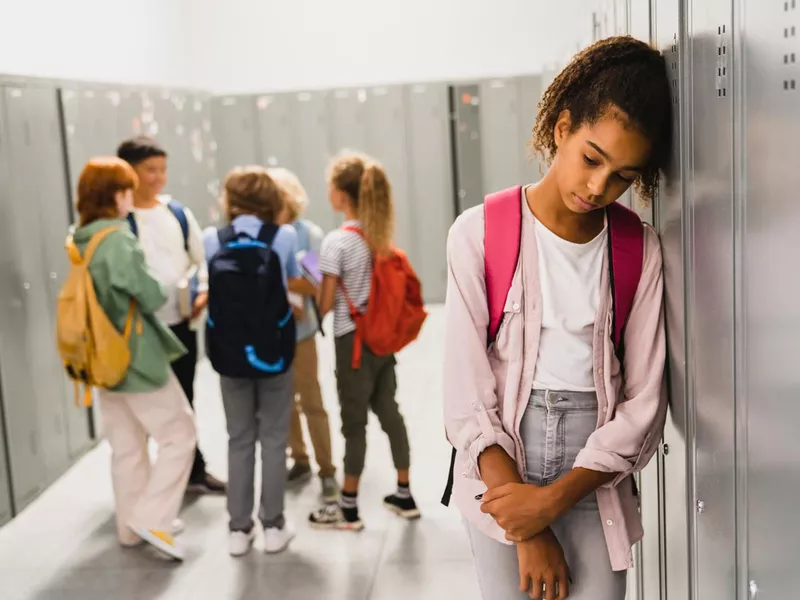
x: 313, y: 154
x: 6, y: 504
x: 711, y: 400
x: 430, y: 182
x: 27, y: 461
x: 347, y: 127
x: 91, y: 124
x: 203, y: 181
x: 466, y: 122
x: 502, y: 142
x: 277, y: 135
x: 668, y: 36
x: 33, y: 124
x: 529, y: 93
x: 385, y: 118
x: 170, y: 114
x: 53, y: 221
x: 234, y: 126
x: 769, y: 221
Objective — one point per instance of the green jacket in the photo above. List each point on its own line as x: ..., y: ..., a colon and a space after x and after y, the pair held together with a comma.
x: 120, y: 273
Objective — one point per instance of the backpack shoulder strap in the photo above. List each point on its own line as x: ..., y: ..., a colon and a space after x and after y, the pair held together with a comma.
x: 502, y: 213
x: 132, y: 222
x: 626, y: 250
x: 267, y: 233
x: 177, y: 209
x: 226, y: 235
x: 95, y: 242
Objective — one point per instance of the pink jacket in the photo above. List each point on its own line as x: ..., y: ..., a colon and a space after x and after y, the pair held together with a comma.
x: 486, y: 392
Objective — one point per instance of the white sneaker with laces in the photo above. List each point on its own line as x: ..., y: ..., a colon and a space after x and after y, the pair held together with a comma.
x: 277, y: 540
x: 239, y: 542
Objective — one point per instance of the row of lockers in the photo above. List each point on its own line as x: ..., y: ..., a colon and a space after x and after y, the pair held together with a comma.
x: 47, y: 134
x: 444, y: 146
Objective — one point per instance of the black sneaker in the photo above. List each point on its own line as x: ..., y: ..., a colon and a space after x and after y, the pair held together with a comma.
x: 298, y: 474
x: 333, y: 517
x: 403, y: 507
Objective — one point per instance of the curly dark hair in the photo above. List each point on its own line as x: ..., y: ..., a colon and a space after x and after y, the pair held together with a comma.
x: 618, y: 72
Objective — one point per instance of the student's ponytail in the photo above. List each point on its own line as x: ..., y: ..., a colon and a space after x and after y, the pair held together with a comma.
x: 375, y: 208
x: 364, y: 181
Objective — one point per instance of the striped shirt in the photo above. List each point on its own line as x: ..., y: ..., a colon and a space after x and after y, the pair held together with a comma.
x: 345, y: 255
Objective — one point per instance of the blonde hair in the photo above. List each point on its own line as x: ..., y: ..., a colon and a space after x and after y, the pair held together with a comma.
x: 251, y: 191
x: 364, y: 180
x: 296, y: 196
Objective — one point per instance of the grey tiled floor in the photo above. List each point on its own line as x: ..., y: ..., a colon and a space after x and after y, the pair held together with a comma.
x: 63, y: 546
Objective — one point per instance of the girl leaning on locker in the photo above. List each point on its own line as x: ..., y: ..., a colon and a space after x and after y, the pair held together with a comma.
x: 547, y: 424
x: 149, y: 402
x: 360, y: 191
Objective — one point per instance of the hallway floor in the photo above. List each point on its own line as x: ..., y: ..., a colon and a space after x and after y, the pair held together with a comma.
x: 63, y: 547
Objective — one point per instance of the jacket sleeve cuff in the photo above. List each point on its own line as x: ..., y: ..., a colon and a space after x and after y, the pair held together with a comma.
x: 484, y: 441
x: 604, y: 462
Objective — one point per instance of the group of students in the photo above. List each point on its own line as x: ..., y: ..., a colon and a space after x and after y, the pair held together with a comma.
x: 554, y: 340
x: 156, y: 276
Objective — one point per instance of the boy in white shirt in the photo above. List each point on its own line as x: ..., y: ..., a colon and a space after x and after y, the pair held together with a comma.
x: 173, y: 246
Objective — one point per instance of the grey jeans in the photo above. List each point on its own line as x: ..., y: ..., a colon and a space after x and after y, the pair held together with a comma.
x: 554, y: 429
x: 257, y: 410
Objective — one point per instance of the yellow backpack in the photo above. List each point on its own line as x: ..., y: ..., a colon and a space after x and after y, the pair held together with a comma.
x: 94, y: 352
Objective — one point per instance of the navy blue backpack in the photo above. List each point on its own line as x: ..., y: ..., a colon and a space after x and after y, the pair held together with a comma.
x: 251, y: 332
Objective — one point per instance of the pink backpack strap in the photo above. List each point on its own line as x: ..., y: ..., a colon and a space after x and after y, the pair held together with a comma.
x: 626, y: 248
x: 502, y: 212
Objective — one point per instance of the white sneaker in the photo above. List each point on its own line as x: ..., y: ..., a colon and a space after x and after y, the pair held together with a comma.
x: 162, y: 541
x: 178, y: 527
x: 277, y: 540
x: 239, y: 542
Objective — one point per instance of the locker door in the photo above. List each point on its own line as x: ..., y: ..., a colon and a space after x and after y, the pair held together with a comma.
x: 33, y: 126
x: 235, y: 132
x: 502, y: 145
x: 529, y: 90
x: 769, y: 264
x: 276, y: 131
x: 170, y: 110
x: 313, y: 154
x: 347, y: 126
x: 431, y: 182
x: 26, y: 459
x: 385, y: 117
x: 201, y: 160
x: 711, y: 305
x: 466, y: 122
x: 671, y: 219
x: 6, y: 511
x: 53, y: 221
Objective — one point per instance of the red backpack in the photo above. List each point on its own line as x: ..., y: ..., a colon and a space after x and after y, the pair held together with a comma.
x: 395, y: 311
x: 502, y: 234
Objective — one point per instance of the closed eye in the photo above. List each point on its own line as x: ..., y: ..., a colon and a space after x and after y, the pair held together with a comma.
x: 590, y: 161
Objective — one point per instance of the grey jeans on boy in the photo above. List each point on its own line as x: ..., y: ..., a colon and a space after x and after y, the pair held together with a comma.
x: 257, y: 410
x: 554, y: 429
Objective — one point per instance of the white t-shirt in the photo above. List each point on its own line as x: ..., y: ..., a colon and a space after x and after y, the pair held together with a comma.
x: 161, y: 239
x: 570, y: 276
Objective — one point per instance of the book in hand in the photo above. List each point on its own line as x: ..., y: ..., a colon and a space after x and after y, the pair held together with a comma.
x: 309, y: 265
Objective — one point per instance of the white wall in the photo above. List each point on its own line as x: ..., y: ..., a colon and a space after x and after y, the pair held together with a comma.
x: 265, y: 45
x: 137, y: 41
